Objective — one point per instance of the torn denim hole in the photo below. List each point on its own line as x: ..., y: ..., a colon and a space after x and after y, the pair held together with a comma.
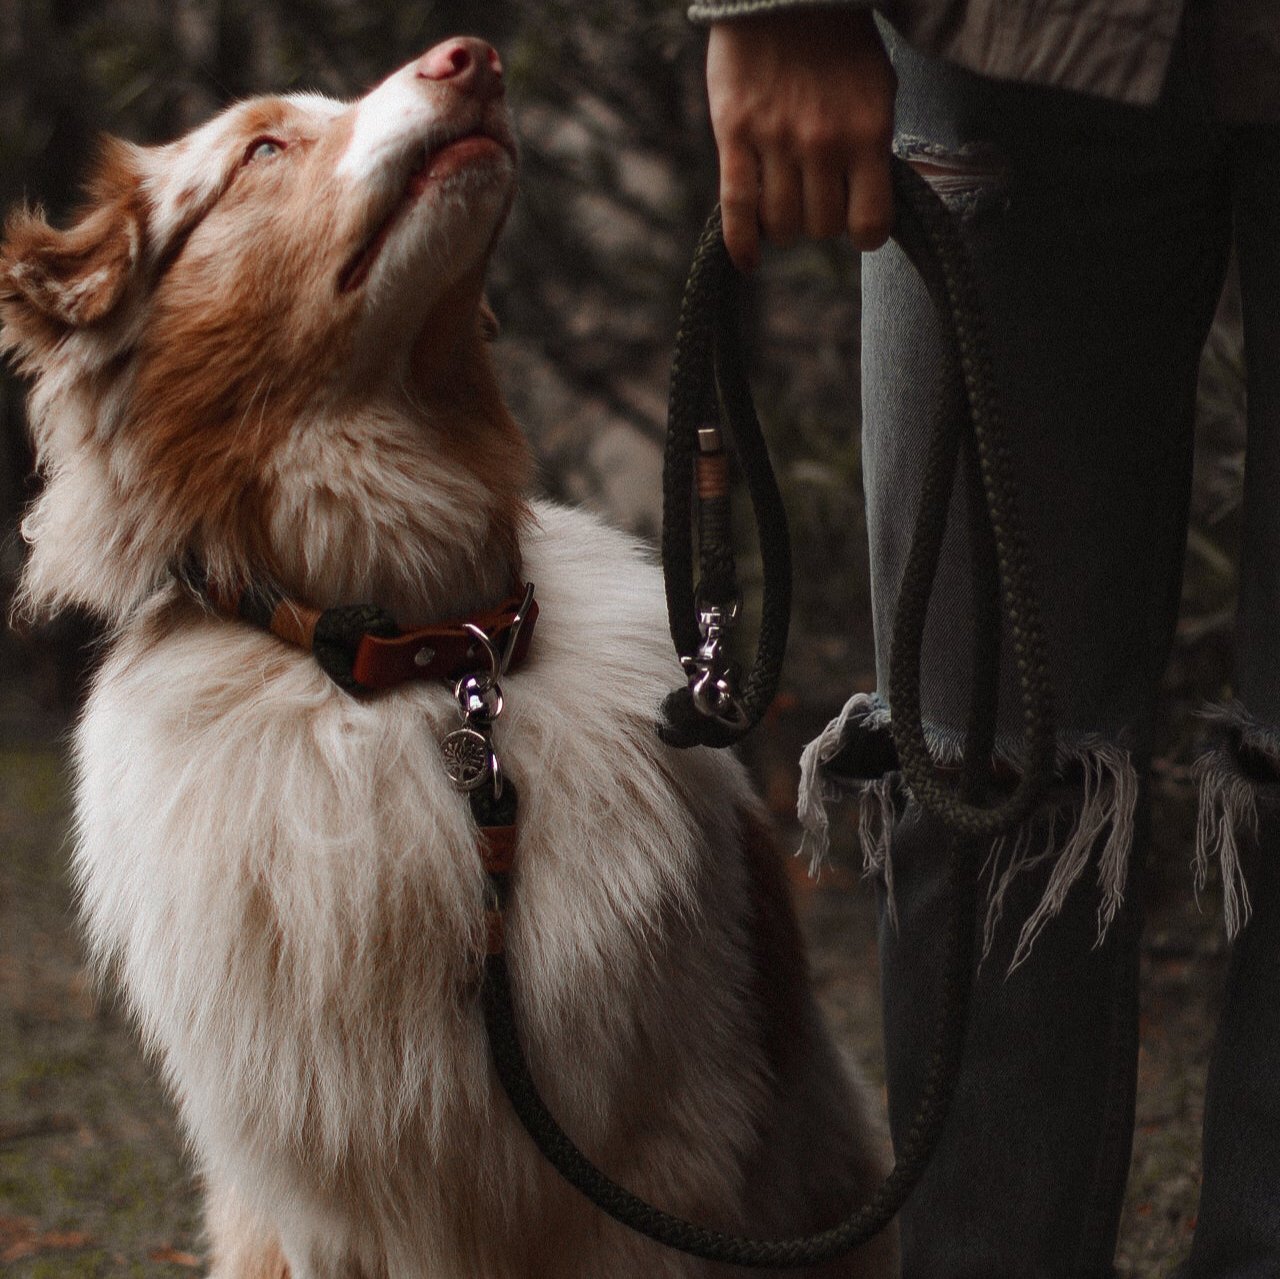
x: 969, y: 180
x: 1090, y: 815
x: 1229, y: 793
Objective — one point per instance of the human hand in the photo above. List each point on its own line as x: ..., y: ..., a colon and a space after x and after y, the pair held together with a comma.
x: 802, y: 112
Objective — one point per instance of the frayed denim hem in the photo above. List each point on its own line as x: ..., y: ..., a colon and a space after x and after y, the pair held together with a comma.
x: 1227, y: 819
x: 1102, y: 818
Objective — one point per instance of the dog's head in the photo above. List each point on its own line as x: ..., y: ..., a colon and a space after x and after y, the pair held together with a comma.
x: 264, y: 345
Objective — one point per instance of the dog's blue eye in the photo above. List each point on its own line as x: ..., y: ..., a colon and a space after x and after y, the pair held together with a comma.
x: 263, y: 149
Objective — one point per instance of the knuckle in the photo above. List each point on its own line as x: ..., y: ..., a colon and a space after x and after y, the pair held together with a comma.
x: 736, y: 213
x: 770, y: 138
x: 737, y: 150
x: 737, y: 196
x: 738, y: 185
x: 826, y: 224
x: 730, y: 122
x: 785, y: 201
x: 734, y: 234
x: 782, y: 226
x: 823, y: 139
x: 742, y: 245
x: 868, y: 233
x: 874, y: 130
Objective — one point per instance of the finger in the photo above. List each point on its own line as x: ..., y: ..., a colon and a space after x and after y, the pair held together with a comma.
x: 739, y: 202
x: 826, y: 200
x: 781, y: 199
x: 870, y: 201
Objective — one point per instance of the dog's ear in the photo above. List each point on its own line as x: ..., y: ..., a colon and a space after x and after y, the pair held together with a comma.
x: 489, y: 326
x: 52, y: 281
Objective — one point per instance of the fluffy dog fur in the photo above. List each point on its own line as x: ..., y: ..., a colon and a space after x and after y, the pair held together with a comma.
x: 264, y: 345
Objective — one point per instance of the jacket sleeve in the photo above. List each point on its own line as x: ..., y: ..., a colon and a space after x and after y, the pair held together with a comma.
x: 707, y: 11
x: 1117, y: 49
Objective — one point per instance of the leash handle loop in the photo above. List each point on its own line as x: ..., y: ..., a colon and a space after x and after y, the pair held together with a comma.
x: 710, y: 401
x: 709, y: 384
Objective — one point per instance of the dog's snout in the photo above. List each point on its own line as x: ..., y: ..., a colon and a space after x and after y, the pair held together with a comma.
x: 466, y: 63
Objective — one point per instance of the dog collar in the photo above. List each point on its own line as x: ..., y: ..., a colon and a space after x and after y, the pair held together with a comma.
x: 362, y: 648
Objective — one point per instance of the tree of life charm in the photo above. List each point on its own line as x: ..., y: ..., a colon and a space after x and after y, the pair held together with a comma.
x: 468, y: 758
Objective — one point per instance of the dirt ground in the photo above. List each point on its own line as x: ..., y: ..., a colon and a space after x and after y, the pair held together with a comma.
x: 93, y: 1177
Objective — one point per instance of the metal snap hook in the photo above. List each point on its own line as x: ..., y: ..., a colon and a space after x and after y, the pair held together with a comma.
x: 714, y: 696
x: 513, y: 634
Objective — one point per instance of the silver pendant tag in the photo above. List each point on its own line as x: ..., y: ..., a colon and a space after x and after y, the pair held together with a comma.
x: 468, y: 758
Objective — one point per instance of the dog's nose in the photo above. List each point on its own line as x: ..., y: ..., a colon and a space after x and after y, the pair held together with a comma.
x: 465, y: 62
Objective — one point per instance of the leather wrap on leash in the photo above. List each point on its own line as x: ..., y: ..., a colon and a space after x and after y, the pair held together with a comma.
x: 708, y: 376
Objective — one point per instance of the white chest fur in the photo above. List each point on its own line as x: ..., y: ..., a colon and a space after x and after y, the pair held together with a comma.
x: 289, y: 887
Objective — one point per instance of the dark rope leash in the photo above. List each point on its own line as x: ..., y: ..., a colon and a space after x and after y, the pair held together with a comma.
x: 709, y: 389
x: 715, y: 1245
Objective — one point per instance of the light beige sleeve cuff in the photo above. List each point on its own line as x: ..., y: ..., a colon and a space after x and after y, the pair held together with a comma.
x: 704, y: 11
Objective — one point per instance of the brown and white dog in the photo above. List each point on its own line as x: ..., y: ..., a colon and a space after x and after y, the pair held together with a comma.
x: 264, y: 347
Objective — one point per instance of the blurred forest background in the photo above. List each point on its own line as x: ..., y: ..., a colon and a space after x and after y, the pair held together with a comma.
x: 618, y: 175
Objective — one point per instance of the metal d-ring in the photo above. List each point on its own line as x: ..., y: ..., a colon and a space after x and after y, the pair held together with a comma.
x: 495, y: 662
x: 479, y: 697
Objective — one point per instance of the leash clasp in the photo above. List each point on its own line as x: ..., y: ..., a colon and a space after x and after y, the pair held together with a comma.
x: 469, y: 755
x: 712, y: 679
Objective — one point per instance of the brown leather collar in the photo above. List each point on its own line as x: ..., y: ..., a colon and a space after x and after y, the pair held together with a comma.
x: 444, y: 651
x: 373, y: 653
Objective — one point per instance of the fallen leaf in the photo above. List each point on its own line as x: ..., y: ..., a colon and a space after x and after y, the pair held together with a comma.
x: 175, y: 1258
x: 52, y: 1241
x: 14, y: 1228
x: 68, y: 1239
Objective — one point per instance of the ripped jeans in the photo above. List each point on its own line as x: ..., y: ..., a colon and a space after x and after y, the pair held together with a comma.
x: 1101, y: 235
